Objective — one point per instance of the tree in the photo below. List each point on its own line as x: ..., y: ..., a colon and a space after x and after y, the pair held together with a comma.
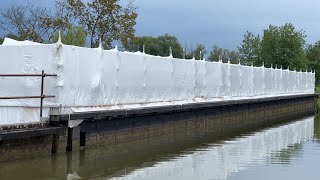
x: 200, y: 52
x: 313, y: 55
x: 1, y: 40
x: 105, y: 20
x: 195, y: 53
x: 158, y: 46
x: 152, y: 45
x: 189, y: 52
x: 168, y: 41
x: 101, y: 19
x: 226, y: 55
x: 234, y: 57
x: 250, y: 50
x: 72, y: 36
x: 215, y: 53
x: 284, y: 46
x: 29, y: 22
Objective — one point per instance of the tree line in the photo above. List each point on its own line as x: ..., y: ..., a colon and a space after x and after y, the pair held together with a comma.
x: 281, y: 46
x: 95, y: 22
x: 161, y: 46
x: 80, y: 22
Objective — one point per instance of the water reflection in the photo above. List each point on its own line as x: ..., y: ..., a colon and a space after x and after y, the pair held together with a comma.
x: 217, y: 162
x: 286, y: 155
x: 198, y: 154
x: 317, y: 128
x: 73, y: 176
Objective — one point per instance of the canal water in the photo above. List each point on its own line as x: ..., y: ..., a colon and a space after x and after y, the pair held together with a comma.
x: 283, y: 151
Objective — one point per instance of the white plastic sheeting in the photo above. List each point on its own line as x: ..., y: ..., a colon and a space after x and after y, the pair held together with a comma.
x: 222, y: 160
x: 96, y: 79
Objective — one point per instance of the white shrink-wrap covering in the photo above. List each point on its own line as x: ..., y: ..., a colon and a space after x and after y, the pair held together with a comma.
x: 226, y: 78
x: 299, y: 86
x: 258, y: 81
x: 27, y: 59
x: 190, y: 80
x: 246, y: 75
x: 213, y: 79
x: 277, y: 82
x: 285, y: 81
x: 200, y: 81
x: 310, y: 82
x: 235, y: 80
x: 184, y: 82
x: 303, y: 82
x: 293, y: 81
x: 95, y: 79
x: 130, y: 81
x: 159, y: 79
x: 268, y: 81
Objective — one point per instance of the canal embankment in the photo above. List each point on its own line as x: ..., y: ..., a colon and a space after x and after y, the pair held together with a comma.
x: 119, y: 127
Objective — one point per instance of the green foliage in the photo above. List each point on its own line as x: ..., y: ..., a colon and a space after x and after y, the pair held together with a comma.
x: 234, y: 56
x: 72, y: 36
x: 1, y: 40
x: 158, y: 46
x: 313, y: 55
x: 195, y: 53
x: 250, y: 49
x: 105, y: 20
x: 318, y: 106
x: 317, y: 125
x: 286, y: 155
x: 215, y: 53
x: 12, y: 36
x: 200, y: 48
x: 152, y: 45
x: 284, y: 46
x: 225, y: 54
x: 167, y: 41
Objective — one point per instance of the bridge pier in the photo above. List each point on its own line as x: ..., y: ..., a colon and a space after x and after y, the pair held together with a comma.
x: 73, y: 140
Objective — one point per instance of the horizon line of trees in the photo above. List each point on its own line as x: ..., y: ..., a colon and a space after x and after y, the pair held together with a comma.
x: 89, y: 23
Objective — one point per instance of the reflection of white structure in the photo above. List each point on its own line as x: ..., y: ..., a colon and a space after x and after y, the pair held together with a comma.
x: 96, y: 79
x: 218, y: 161
x: 73, y: 176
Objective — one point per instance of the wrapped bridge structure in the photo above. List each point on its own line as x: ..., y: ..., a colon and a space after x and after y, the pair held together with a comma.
x: 93, y: 79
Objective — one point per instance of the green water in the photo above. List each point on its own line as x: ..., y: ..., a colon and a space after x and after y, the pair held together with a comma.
x: 287, y: 151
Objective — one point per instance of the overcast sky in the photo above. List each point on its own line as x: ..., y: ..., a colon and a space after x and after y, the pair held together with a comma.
x: 220, y: 22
